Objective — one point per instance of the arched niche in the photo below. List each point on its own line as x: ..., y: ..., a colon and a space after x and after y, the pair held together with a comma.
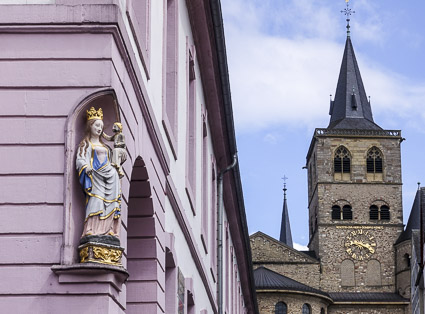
x: 74, y: 207
x: 143, y: 253
x: 347, y: 273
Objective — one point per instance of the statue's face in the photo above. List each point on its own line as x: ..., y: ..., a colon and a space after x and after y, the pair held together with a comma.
x: 96, y: 128
x: 115, y: 128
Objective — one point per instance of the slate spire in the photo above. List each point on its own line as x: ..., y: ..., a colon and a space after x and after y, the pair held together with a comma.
x: 285, y: 228
x: 351, y: 108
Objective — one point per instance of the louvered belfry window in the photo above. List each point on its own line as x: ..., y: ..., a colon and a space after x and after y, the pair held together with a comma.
x: 376, y: 213
x: 385, y: 212
x: 342, y: 160
x: 374, y: 160
x: 347, y: 213
x: 336, y: 212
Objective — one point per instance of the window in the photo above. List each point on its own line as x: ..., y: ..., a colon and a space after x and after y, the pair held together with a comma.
x: 205, y: 186
x: 406, y: 259
x: 191, y: 129
x: 306, y: 309
x: 382, y: 213
x: 280, y: 308
x: 374, y: 212
x: 169, y: 112
x: 322, y: 311
x: 342, y: 160
x: 345, y: 214
x: 385, y: 212
x: 336, y: 212
x: 180, y: 293
x: 138, y: 13
x: 374, y: 160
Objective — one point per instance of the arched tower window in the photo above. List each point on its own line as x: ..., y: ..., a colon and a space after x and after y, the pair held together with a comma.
x: 306, y: 308
x: 406, y: 259
x: 342, y: 160
x: 347, y: 213
x: 336, y: 212
x: 280, y: 308
x: 322, y: 311
x: 382, y: 213
x: 342, y: 163
x: 374, y: 160
x: 385, y: 212
x: 374, y: 212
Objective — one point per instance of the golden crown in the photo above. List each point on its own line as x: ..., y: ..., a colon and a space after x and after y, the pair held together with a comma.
x: 93, y: 114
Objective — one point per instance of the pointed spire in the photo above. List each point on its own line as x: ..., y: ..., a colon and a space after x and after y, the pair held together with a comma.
x: 285, y: 228
x: 351, y: 108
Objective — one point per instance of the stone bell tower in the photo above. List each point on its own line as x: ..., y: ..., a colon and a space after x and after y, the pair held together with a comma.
x: 354, y: 191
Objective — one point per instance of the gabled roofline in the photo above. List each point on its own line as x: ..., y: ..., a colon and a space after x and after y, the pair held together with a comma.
x: 259, y: 233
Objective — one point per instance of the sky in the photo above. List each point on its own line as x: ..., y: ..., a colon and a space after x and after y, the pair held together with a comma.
x: 284, y: 58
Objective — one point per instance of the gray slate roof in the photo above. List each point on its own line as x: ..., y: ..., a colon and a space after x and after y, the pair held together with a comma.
x: 267, y: 279
x: 285, y: 228
x: 366, y: 297
x: 351, y: 108
x: 414, y: 218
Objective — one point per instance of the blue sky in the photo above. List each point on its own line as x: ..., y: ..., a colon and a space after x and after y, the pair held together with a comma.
x: 284, y: 58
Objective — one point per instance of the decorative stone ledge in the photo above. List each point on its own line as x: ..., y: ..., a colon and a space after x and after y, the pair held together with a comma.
x: 91, y: 273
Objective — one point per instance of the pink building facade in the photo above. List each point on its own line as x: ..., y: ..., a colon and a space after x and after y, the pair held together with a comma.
x: 159, y: 67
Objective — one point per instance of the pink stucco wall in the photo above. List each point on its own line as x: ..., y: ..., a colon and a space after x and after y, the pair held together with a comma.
x: 54, y: 64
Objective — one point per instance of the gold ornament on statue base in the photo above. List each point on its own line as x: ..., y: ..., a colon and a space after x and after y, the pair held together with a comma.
x: 100, y: 253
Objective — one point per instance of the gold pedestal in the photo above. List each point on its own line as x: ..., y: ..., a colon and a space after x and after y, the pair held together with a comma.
x: 92, y: 252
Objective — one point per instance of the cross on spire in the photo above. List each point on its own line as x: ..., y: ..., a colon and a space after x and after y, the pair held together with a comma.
x: 347, y: 12
x: 284, y: 185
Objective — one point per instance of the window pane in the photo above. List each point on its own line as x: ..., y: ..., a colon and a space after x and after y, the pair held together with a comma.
x: 378, y: 165
x: 370, y: 165
x: 373, y: 213
x: 347, y: 213
x: 280, y: 308
x: 306, y: 309
x: 385, y: 213
x: 336, y: 212
x: 337, y: 165
x: 346, y: 165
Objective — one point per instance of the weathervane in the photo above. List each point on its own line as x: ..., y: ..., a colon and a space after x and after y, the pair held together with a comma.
x: 284, y: 186
x: 347, y: 12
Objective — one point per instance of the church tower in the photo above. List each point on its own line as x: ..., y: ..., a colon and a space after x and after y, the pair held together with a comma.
x: 354, y: 191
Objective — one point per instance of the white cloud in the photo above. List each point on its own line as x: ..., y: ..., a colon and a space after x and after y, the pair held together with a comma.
x: 286, y: 79
x: 300, y: 247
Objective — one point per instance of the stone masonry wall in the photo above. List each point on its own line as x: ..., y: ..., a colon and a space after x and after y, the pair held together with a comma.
x: 267, y: 302
x: 360, y: 191
x: 308, y: 274
x: 403, y: 250
x: 367, y: 309
x: 284, y: 260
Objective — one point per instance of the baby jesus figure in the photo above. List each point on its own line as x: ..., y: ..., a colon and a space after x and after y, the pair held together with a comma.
x: 119, y: 155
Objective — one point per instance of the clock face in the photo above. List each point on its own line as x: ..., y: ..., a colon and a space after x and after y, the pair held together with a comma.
x: 360, y: 244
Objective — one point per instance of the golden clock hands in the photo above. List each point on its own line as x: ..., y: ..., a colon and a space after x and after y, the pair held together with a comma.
x: 362, y: 245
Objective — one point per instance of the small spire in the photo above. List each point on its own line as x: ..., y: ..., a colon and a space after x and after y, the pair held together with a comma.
x: 419, y: 185
x: 285, y: 227
x: 347, y: 12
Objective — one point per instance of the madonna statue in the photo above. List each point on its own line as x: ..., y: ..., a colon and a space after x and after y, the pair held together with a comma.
x: 99, y: 179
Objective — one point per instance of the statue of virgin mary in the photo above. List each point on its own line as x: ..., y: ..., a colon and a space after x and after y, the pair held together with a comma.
x: 99, y: 180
